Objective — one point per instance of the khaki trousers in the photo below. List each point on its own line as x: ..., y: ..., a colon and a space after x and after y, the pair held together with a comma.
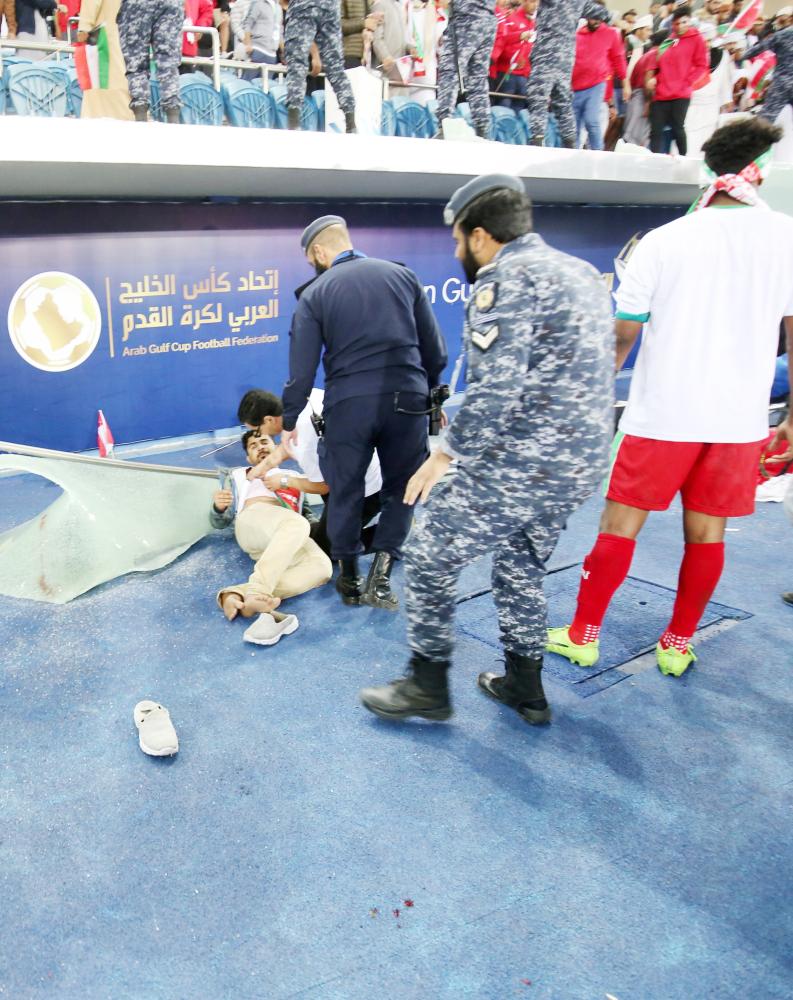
x: 288, y: 562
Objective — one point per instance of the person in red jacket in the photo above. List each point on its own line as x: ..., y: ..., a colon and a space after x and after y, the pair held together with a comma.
x: 510, y: 63
x: 201, y: 14
x: 681, y: 60
x: 599, y: 55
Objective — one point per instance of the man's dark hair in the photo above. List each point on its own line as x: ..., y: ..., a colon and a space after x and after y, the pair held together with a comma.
x: 681, y: 12
x: 658, y: 38
x: 629, y: 13
x: 257, y: 404
x: 504, y: 213
x: 733, y: 147
x: 246, y: 438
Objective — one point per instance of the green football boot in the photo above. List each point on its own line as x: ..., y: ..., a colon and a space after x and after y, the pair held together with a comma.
x: 585, y: 655
x: 672, y: 661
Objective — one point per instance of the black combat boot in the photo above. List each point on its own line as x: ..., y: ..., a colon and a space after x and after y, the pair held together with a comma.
x: 423, y: 691
x: 483, y: 133
x: 172, y: 116
x: 141, y: 112
x: 520, y: 687
x: 378, y: 592
x: 293, y: 119
x: 537, y: 140
x: 348, y: 583
x: 349, y: 122
x: 568, y: 143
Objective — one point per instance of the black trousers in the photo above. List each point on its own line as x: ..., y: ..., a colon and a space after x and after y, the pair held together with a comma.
x: 371, y: 508
x: 354, y: 429
x: 673, y: 113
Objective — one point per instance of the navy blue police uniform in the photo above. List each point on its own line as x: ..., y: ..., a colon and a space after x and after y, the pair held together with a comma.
x: 382, y: 351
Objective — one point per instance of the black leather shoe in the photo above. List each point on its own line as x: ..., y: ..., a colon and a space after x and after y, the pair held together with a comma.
x: 348, y: 583
x: 788, y: 597
x: 378, y: 593
x: 423, y: 692
x: 520, y: 687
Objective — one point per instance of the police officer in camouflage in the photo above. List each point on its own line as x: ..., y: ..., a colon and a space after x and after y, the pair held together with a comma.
x: 317, y: 21
x: 552, y: 59
x: 467, y: 44
x: 780, y: 93
x: 155, y: 23
x: 526, y: 449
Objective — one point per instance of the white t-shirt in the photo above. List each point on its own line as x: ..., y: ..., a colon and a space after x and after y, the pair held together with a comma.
x: 305, y: 451
x: 716, y: 285
x: 247, y: 489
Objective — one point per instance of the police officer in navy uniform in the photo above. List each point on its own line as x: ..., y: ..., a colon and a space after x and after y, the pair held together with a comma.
x: 382, y: 351
x: 527, y: 448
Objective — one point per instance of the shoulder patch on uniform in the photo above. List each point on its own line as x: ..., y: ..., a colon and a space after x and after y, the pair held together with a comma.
x: 484, y: 338
x: 485, y: 297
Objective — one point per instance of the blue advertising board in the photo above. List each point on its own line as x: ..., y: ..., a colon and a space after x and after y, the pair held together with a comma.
x: 164, y: 315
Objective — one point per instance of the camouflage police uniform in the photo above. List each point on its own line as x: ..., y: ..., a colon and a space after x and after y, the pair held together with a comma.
x: 155, y: 23
x: 531, y: 442
x: 552, y: 59
x: 315, y: 21
x: 780, y: 92
x: 468, y: 41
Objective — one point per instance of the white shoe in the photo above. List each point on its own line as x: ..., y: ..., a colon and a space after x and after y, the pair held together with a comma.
x: 157, y: 736
x: 268, y: 628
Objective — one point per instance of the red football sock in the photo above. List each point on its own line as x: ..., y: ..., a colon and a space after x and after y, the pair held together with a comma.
x: 700, y: 571
x: 604, y: 570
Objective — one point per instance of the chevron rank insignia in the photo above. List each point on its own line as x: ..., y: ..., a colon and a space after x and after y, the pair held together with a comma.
x: 484, y: 338
x: 486, y: 297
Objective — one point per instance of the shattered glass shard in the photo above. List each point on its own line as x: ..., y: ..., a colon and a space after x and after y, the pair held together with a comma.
x: 107, y: 522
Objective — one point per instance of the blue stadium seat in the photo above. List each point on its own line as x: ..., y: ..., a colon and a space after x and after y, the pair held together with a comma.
x: 387, y: 119
x: 155, y: 106
x: 505, y: 126
x: 247, y: 105
x: 6, y: 107
x: 75, y: 94
x: 277, y: 90
x: 201, y: 103
x: 318, y: 100
x: 463, y: 111
x: 525, y: 120
x: 413, y: 119
x: 552, y: 136
x: 309, y: 116
x: 34, y: 91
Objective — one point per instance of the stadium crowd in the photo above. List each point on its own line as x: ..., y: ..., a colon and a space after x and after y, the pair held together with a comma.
x: 651, y: 80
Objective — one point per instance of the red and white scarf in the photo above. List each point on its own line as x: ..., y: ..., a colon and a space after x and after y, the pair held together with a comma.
x: 741, y: 186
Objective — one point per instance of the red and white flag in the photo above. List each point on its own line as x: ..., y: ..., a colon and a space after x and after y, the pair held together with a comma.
x: 104, y: 437
x: 748, y: 15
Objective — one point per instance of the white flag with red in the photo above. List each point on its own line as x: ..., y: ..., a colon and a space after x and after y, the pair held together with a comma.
x: 748, y: 15
x: 104, y: 437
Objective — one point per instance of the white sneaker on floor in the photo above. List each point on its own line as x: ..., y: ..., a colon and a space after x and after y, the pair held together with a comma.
x: 268, y: 628
x: 156, y: 734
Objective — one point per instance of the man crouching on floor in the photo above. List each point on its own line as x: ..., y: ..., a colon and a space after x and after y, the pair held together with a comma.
x: 275, y: 536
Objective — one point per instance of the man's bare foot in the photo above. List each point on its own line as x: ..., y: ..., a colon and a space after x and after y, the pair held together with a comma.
x: 232, y: 605
x: 259, y: 605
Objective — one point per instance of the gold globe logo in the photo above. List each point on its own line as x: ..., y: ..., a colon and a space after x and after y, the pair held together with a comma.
x: 54, y: 321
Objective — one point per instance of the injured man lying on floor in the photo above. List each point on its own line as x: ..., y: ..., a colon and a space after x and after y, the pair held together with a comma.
x: 269, y: 528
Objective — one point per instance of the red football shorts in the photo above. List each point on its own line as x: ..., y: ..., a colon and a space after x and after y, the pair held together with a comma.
x: 715, y: 479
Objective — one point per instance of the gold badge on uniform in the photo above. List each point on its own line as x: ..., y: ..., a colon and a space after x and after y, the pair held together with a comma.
x: 486, y: 297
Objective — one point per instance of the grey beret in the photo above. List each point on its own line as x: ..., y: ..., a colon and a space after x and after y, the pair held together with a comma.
x: 312, y: 231
x: 463, y: 196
